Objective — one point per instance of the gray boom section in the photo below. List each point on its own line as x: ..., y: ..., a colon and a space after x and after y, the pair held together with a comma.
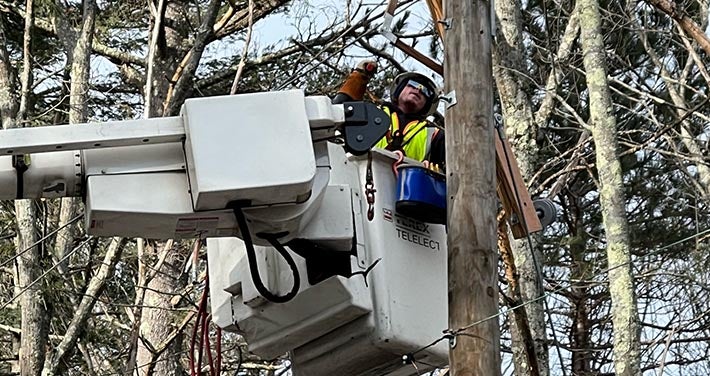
x: 18, y: 141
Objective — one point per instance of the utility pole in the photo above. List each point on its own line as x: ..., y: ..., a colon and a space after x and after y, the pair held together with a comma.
x: 470, y: 165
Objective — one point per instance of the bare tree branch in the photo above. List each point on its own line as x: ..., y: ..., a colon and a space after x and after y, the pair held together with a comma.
x: 245, y: 50
x: 685, y: 22
x: 83, y: 311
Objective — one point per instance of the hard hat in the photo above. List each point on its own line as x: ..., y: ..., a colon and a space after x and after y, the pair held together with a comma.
x: 431, y: 91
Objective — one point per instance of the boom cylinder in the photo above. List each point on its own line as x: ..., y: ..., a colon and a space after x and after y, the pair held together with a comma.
x: 44, y: 175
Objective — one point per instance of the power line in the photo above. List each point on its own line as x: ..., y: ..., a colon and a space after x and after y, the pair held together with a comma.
x: 38, y: 242
x: 46, y: 272
x: 451, y: 334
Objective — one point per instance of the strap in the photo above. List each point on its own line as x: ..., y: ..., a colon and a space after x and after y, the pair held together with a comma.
x: 411, y: 132
x: 407, y: 134
x: 394, y: 121
x: 20, y: 164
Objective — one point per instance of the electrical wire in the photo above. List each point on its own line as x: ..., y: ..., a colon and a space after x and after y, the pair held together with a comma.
x: 416, y: 368
x: 450, y: 334
x: 239, y: 365
x: 46, y: 272
x: 201, y: 311
x: 206, y: 319
x: 218, y: 349
x: 42, y: 239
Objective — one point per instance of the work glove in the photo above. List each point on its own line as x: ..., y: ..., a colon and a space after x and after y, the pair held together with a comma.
x: 367, y: 67
x: 354, y: 87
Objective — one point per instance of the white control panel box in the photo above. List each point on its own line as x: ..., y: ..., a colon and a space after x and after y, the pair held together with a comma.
x: 254, y: 147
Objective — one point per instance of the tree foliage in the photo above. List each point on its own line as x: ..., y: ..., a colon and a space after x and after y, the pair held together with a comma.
x: 659, y: 93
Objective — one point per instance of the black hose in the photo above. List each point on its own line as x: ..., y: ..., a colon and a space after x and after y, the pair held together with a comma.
x: 254, y: 269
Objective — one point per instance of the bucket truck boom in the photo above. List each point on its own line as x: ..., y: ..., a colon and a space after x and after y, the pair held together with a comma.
x: 257, y: 174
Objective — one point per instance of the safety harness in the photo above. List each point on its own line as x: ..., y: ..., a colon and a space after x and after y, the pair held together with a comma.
x: 406, y: 139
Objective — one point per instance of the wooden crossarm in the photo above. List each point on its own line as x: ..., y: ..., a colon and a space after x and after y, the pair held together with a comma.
x: 507, y: 184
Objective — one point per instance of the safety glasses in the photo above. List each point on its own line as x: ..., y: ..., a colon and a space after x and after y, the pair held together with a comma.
x: 422, y: 89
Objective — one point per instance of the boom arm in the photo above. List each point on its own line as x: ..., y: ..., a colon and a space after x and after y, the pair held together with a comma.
x: 176, y: 176
x: 262, y: 160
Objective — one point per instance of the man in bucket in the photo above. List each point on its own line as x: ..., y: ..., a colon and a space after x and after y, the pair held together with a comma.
x: 413, y: 99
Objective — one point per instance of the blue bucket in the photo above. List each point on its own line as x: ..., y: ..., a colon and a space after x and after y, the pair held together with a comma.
x: 421, y: 194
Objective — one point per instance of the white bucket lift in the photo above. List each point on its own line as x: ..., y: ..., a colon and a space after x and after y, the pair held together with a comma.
x: 262, y: 161
x: 345, y: 326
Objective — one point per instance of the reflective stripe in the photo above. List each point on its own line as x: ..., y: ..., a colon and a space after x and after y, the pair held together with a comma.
x: 394, y: 125
x: 417, y: 137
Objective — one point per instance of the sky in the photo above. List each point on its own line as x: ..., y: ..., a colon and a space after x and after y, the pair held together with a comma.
x: 278, y: 28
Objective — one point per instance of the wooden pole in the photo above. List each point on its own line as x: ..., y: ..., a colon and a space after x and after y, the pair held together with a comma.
x: 471, y: 187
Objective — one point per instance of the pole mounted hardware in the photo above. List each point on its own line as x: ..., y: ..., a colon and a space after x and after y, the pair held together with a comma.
x: 451, y: 337
x: 446, y: 22
x: 386, y: 31
x: 449, y: 98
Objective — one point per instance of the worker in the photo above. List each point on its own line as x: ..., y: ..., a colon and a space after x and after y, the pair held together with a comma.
x: 413, y: 98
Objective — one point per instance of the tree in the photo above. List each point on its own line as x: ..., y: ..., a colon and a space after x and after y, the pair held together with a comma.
x: 95, y: 295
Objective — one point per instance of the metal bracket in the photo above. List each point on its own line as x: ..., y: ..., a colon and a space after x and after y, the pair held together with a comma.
x: 447, y: 22
x: 449, y: 98
x: 365, y: 124
x: 499, y: 119
x: 386, y: 28
x: 21, y: 163
x: 513, y: 219
x: 389, y: 36
x: 387, y: 22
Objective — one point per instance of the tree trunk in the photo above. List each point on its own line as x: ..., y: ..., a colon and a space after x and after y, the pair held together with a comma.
x: 611, y: 195
x: 8, y: 102
x: 166, y: 51
x: 83, y: 311
x: 34, y: 321
x: 159, y: 319
x: 179, y: 91
x: 34, y: 318
x: 156, y: 318
x: 580, y: 270
x: 686, y: 135
x: 521, y: 127
x: 8, y: 111
x: 556, y: 73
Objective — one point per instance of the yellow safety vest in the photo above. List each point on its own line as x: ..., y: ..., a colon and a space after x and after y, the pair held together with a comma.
x: 416, y: 140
